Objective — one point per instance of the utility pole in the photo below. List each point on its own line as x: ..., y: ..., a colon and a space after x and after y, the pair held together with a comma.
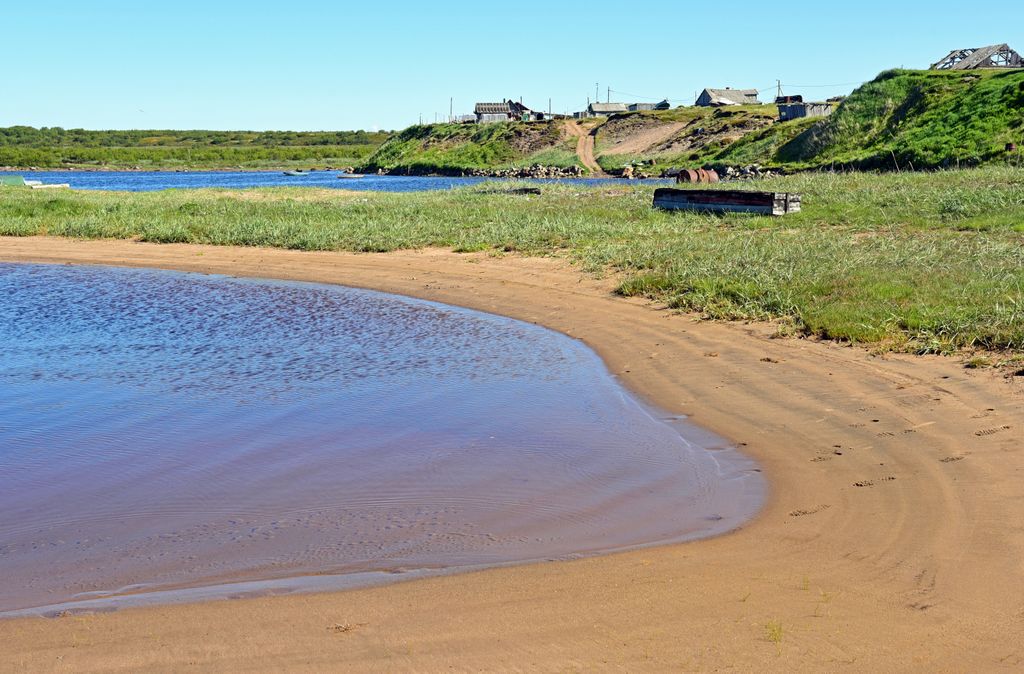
x: 549, y: 107
x: 779, y: 94
x: 609, y: 95
x: 451, y: 109
x: 597, y: 91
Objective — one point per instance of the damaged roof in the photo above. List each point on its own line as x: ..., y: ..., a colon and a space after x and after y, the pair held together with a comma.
x: 993, y: 56
x: 732, y: 96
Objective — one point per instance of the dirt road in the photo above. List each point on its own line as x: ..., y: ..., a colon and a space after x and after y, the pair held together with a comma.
x: 584, y: 147
x: 647, y: 139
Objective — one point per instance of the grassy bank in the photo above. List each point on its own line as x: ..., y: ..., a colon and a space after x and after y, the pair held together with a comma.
x: 912, y: 261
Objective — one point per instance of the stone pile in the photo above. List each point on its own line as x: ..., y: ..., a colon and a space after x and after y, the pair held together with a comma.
x: 751, y: 172
x: 535, y: 171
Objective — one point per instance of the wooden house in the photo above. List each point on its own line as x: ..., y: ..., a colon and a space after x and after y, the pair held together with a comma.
x: 639, y: 107
x: 506, y: 111
x: 727, y: 96
x: 606, y: 109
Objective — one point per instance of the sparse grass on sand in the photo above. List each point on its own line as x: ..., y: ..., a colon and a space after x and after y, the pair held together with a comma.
x: 923, y: 262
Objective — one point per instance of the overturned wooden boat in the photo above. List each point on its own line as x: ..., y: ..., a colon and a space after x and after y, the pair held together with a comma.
x: 727, y: 201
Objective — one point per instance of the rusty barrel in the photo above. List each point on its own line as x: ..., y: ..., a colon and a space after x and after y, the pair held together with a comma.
x: 695, y: 176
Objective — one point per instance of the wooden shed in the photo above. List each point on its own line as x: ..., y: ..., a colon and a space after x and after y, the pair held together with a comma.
x: 789, y: 111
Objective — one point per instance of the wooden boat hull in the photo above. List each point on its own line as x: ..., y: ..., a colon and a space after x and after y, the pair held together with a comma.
x: 727, y: 201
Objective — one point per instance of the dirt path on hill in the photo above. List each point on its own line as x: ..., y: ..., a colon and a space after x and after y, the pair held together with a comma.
x: 892, y: 539
x: 584, y: 147
x: 645, y: 140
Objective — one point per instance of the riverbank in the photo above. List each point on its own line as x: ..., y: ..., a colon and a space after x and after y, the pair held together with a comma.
x: 891, y: 538
x: 856, y: 264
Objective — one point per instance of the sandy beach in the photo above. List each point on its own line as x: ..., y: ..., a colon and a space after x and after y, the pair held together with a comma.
x: 892, y: 539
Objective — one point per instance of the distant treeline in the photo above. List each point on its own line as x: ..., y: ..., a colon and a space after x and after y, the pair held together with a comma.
x: 27, y: 136
x: 50, y: 147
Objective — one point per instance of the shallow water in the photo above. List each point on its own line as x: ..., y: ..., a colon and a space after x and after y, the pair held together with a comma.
x: 148, y: 181
x: 162, y: 430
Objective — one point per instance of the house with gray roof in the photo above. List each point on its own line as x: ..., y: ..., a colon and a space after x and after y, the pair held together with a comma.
x: 506, y: 111
x: 727, y: 96
x: 606, y: 109
x: 641, y: 107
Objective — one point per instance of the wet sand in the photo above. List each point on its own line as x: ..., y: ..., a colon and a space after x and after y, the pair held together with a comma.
x: 893, y: 537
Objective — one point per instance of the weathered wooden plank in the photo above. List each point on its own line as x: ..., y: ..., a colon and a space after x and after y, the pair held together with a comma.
x: 727, y: 201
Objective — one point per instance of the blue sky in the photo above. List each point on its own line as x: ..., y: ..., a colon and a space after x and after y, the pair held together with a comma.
x: 313, y: 65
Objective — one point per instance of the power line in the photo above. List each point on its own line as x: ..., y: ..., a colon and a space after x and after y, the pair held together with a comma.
x: 768, y: 87
x: 825, y: 86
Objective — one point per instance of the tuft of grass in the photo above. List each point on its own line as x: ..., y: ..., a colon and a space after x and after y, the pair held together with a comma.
x: 773, y: 631
x: 978, y: 362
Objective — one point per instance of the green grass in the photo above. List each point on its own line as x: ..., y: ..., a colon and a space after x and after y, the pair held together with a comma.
x: 921, y: 262
x: 562, y: 157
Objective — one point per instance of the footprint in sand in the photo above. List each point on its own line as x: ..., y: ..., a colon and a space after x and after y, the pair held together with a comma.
x: 991, y: 431
x: 827, y: 454
x: 810, y: 511
x: 871, y: 483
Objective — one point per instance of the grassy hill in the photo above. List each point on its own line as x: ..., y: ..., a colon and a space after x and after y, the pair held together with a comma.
x: 455, y: 149
x: 920, y: 119
x: 54, y: 147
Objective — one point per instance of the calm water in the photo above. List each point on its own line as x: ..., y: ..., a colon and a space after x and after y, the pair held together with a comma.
x: 161, y: 430
x: 147, y: 181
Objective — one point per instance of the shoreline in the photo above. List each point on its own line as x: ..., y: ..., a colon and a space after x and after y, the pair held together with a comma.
x: 889, y: 535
